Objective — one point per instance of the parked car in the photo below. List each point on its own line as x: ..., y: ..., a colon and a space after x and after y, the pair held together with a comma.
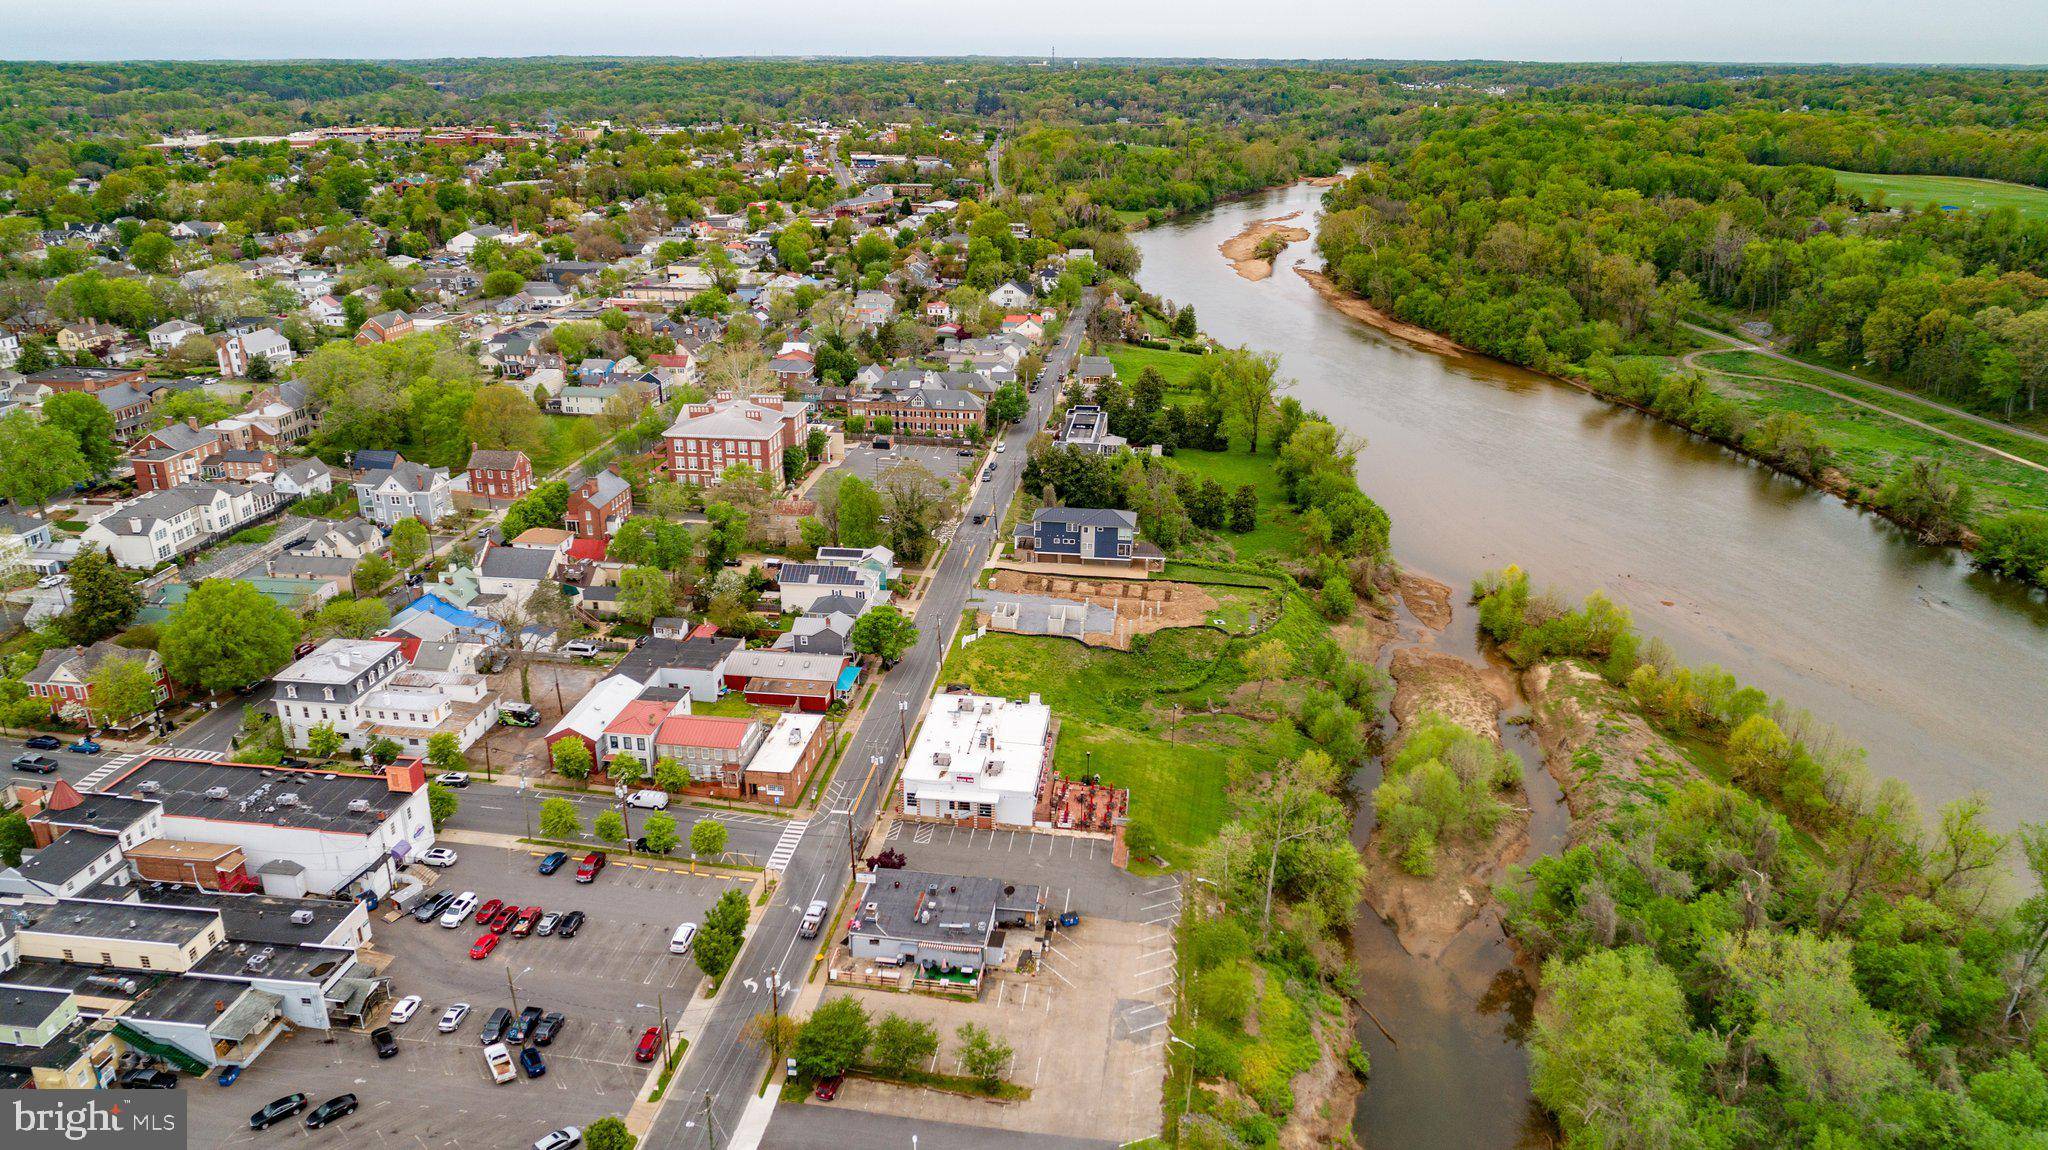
x: 483, y: 946
x: 439, y: 856
x: 567, y: 1138
x: 553, y: 862
x: 828, y: 1087
x: 523, y: 925
x: 547, y: 924
x: 550, y: 1024
x: 640, y: 844
x: 882, y: 443
x: 455, y: 779
x: 84, y: 747
x: 228, y: 1075
x: 679, y: 942
x: 980, y: 518
x: 331, y: 1110
x: 518, y: 714
x: 459, y: 909
x: 277, y: 1111
x: 531, y: 1062
x: 586, y: 871
x: 40, y: 764
x: 1002, y: 447
x: 489, y: 911
x: 580, y: 649
x: 451, y: 1018
x: 814, y: 918
x: 403, y: 1010
x: 502, y: 921
x: 42, y: 742
x: 571, y: 923
x: 522, y: 1026
x: 148, y: 1080
x: 499, y: 1061
x: 648, y: 800
x: 650, y: 1045
x: 294, y: 764
x: 431, y: 908
x: 385, y: 1042
x: 494, y: 1026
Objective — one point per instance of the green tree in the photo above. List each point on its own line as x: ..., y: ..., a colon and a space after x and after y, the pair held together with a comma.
x: 609, y: 1133
x: 408, y: 542
x: 349, y: 618
x: 37, y: 460
x: 1008, y: 405
x: 559, y: 820
x: 659, y: 830
x: 227, y: 634
x: 323, y: 741
x: 859, y: 513
x: 707, y: 837
x: 503, y: 282
x: 103, y: 598
x: 444, y: 753
x: 15, y: 837
x: 646, y: 594
x: 899, y: 1044
x: 152, y: 251
x: 670, y: 776
x: 441, y: 804
x: 121, y: 689
x: 610, y: 826
x: 982, y: 1056
x: 371, y: 573
x: 90, y: 424
x: 833, y: 1039
x: 725, y: 930
x: 885, y: 633
x: 571, y: 758
x: 1614, y: 1055
x: 545, y: 506
x: 383, y: 750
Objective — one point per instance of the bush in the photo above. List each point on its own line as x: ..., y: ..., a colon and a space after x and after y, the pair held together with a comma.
x: 833, y: 1039
x: 1224, y: 994
x: 1215, y: 942
x: 899, y: 1044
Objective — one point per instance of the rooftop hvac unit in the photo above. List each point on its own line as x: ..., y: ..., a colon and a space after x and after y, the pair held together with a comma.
x: 302, y: 918
x: 216, y: 793
x: 795, y: 736
x: 994, y: 768
x: 112, y: 982
x: 149, y: 786
x: 359, y: 806
x: 288, y: 799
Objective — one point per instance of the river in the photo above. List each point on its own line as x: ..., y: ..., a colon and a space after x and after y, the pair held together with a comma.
x: 1940, y: 672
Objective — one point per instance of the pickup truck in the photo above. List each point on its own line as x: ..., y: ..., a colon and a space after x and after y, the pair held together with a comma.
x: 499, y: 1060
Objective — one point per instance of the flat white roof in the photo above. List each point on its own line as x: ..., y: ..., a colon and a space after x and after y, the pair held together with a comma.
x: 980, y: 744
x: 785, y: 743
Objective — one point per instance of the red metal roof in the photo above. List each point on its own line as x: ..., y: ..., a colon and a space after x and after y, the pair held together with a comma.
x: 588, y: 547
x: 703, y: 731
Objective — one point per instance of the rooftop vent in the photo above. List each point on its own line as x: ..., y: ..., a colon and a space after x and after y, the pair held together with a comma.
x: 302, y: 918
x: 288, y: 799
x: 149, y: 786
x: 216, y: 793
x: 359, y: 806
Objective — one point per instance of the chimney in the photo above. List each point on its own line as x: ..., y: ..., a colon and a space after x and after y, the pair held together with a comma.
x: 192, y: 421
x: 406, y: 776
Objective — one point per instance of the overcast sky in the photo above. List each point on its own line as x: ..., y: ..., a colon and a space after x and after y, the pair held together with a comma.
x: 1855, y: 31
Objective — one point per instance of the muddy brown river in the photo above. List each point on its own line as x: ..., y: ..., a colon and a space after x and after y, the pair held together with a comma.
x: 1940, y: 672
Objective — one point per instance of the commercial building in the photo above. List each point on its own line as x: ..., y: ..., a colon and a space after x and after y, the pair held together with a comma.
x: 979, y: 761
x: 943, y: 923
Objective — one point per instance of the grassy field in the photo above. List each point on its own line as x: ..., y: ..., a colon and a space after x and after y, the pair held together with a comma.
x: 1948, y: 191
x: 1275, y: 535
x: 569, y: 436
x: 1177, y: 366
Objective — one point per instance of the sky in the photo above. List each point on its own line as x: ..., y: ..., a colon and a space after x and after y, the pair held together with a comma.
x: 1834, y: 31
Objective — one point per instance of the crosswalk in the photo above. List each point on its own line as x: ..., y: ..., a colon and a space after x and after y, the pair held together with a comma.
x: 114, y: 766
x: 785, y: 847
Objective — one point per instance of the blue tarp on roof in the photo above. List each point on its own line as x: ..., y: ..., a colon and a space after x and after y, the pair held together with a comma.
x: 848, y: 678
x: 455, y: 616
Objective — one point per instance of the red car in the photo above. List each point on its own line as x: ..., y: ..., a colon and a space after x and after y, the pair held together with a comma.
x: 650, y: 1045
x: 488, y: 911
x: 502, y: 921
x: 523, y: 925
x: 484, y: 946
x: 586, y: 871
x: 828, y: 1088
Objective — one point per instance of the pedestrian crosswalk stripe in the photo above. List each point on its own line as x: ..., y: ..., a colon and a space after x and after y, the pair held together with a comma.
x: 785, y: 847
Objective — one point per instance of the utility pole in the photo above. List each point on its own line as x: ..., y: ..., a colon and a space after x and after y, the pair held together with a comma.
x: 512, y: 989
x: 903, y: 716
x: 668, y: 1048
x: 710, y: 1131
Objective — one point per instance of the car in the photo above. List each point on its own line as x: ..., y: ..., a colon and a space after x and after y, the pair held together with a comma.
x: 882, y: 444
x: 483, y: 946
x: 531, y: 1062
x: 42, y: 742
x: 431, y: 909
x: 553, y: 862
x: 229, y: 1075
x: 648, y: 800
x: 980, y: 518
x: 828, y: 1087
x: 679, y: 942
x: 290, y: 763
x: 451, y: 1018
x: 965, y: 453
x: 499, y: 1061
x: 1002, y: 447
x: 415, y: 579
x: 548, y: 1027
x: 439, y: 856
x: 385, y: 1042
x: 547, y: 924
x: 502, y: 921
x: 84, y: 747
x: 649, y: 1046
x: 49, y: 581
x: 494, y: 1026
x: 586, y: 871
x: 580, y: 649
x: 522, y: 1026
x: 148, y: 1080
x: 459, y: 909
x: 489, y: 911
x: 40, y: 764
x: 523, y: 925
x: 338, y: 1107
x: 814, y: 918
x: 641, y: 845
x: 455, y: 779
x: 567, y: 1138
x: 276, y: 1112
x: 518, y: 714
x: 571, y: 923
x: 403, y: 1010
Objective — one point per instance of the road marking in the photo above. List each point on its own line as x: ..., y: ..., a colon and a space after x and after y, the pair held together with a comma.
x: 106, y: 770
x: 785, y: 847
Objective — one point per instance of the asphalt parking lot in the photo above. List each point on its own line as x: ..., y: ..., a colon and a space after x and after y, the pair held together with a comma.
x: 865, y: 460
x: 612, y: 980
x: 1075, y: 871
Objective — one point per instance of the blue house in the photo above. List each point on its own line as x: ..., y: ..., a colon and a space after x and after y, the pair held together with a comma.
x: 1087, y: 535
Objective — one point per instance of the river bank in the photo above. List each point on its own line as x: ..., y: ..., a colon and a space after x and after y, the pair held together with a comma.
x: 1362, y: 310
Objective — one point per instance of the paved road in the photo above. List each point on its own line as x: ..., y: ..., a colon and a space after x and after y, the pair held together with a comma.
x: 816, y: 1126
x: 722, y: 1065
x: 506, y: 810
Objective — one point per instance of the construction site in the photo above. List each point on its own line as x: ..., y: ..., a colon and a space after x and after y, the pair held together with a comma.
x: 1099, y: 612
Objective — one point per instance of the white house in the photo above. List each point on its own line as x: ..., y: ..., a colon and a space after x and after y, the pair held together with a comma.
x: 406, y: 490
x: 978, y: 760
x: 235, y: 353
x: 365, y: 689
x: 1010, y: 297
x: 161, y: 525
x: 167, y: 335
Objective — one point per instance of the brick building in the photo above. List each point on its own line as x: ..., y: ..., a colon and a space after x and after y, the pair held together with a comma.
x: 709, y: 437
x: 500, y: 476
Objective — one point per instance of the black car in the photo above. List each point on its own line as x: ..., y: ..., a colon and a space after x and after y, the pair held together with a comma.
x: 40, y: 764
x: 42, y: 742
x: 550, y: 1025
x: 553, y: 862
x: 386, y: 1044
x: 522, y: 1025
x: 277, y: 1112
x: 431, y: 909
x: 338, y: 1107
x: 293, y: 764
x: 147, y: 1080
x: 640, y: 844
x: 570, y: 924
x: 494, y: 1026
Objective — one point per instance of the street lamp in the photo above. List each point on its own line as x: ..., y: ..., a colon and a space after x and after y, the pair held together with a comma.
x: 512, y: 986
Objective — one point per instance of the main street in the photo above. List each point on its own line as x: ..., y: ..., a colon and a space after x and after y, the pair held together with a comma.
x: 506, y: 808
x: 724, y: 1068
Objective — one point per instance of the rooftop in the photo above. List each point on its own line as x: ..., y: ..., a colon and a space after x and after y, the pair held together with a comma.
x: 976, y: 744
x: 240, y: 792
x: 140, y: 922
x: 70, y: 853
x: 959, y: 909
x: 339, y: 661
x: 26, y: 1008
x: 784, y: 747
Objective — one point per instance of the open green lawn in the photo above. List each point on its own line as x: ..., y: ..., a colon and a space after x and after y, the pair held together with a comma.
x: 1949, y: 191
x: 569, y: 436
x: 1177, y: 366
x: 1276, y: 533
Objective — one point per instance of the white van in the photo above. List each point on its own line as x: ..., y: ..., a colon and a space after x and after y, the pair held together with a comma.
x: 459, y: 910
x: 680, y: 942
x: 648, y: 800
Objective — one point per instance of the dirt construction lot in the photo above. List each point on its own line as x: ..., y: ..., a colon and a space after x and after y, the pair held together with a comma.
x: 610, y: 980
x: 1141, y: 606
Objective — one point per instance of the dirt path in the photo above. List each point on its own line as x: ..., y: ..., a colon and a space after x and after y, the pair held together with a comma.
x: 1242, y: 249
x: 1363, y: 311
